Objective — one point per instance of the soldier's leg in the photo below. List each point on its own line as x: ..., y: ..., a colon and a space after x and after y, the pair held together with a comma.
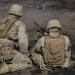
x: 20, y: 62
x: 19, y: 66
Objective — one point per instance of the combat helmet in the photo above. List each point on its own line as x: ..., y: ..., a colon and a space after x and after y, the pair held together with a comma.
x: 54, y: 23
x: 16, y: 9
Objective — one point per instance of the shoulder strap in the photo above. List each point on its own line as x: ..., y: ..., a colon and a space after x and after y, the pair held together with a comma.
x: 8, y: 25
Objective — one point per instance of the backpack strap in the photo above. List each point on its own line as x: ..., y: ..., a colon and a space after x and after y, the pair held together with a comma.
x: 6, y: 26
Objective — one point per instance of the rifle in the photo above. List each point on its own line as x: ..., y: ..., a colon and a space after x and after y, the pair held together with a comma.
x: 41, y: 30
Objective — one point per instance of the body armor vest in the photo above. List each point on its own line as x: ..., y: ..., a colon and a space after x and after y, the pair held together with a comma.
x: 54, y: 51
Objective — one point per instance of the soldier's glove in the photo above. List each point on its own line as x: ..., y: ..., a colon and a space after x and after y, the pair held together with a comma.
x: 66, y: 64
x: 43, y: 66
x: 38, y: 59
x: 41, y: 63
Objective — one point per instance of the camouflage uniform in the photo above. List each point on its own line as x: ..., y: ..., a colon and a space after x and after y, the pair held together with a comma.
x: 17, y: 32
x: 38, y: 51
x: 18, y: 61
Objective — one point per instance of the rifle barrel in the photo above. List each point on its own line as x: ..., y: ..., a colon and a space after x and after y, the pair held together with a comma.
x: 36, y: 24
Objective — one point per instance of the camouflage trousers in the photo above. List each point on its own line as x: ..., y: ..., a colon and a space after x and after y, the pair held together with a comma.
x: 19, y: 62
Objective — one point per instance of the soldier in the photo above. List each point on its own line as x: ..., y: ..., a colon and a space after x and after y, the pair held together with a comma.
x: 13, y: 29
x: 52, y: 50
x: 10, y: 59
x: 17, y: 30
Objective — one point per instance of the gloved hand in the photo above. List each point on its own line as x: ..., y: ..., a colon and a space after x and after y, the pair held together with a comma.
x: 43, y: 66
x: 66, y: 64
x: 39, y: 61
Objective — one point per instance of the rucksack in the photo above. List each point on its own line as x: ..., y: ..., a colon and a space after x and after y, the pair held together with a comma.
x: 5, y: 25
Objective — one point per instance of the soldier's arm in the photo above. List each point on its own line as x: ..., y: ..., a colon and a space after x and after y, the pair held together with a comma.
x: 22, y: 38
x: 67, y: 48
x: 36, y: 54
x: 66, y: 63
x: 37, y: 47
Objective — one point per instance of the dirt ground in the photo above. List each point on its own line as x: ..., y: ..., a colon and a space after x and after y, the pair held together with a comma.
x: 37, y: 71
x: 65, y: 16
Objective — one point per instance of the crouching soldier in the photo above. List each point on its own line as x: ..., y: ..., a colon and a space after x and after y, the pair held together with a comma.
x: 14, y: 29
x: 10, y: 59
x: 52, y: 50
